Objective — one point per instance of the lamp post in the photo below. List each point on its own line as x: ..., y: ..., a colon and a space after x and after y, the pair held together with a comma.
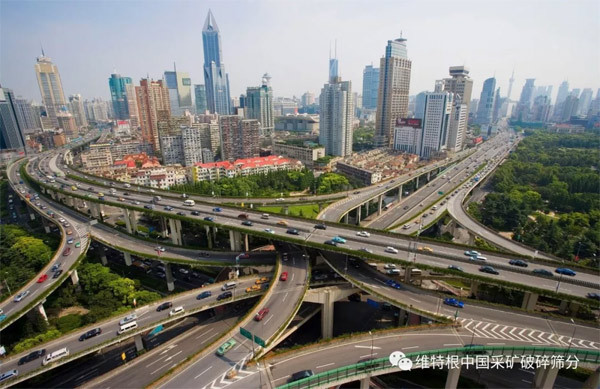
x: 8, y: 287
x: 371, y: 334
x: 572, y: 336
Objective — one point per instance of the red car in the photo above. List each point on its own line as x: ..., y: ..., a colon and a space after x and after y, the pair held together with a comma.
x: 283, y: 276
x: 67, y: 251
x: 261, y: 314
x: 244, y: 256
x: 43, y: 278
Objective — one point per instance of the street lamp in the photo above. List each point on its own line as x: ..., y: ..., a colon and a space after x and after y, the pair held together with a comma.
x: 572, y: 336
x: 371, y: 334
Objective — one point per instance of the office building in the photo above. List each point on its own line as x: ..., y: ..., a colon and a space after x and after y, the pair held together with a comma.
x: 540, y: 109
x: 438, y: 107
x: 370, y: 87
x: 563, y: 92
x: 27, y: 116
x: 584, y: 102
x: 258, y: 104
x: 200, y: 98
x: 307, y: 153
x: 96, y: 110
x: 570, y: 107
x: 179, y: 86
x: 132, y: 107
x: 66, y: 121
x: 51, y: 90
x: 239, y: 137
x: 407, y: 135
x: 11, y: 133
x: 336, y: 115
x: 419, y: 112
x: 118, y: 95
x: 485, y: 107
x: 308, y: 98
x: 394, y: 85
x: 216, y: 80
x: 153, y: 105
x: 77, y: 109
x: 522, y: 111
x: 461, y: 85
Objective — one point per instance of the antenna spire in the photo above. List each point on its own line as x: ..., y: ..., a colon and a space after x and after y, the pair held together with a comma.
x: 42, y: 47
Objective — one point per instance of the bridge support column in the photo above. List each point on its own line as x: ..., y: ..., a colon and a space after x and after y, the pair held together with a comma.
x: 327, y: 316
x: 164, y: 229
x: 379, y: 204
x: 41, y: 310
x: 358, y: 214
x: 529, y: 301
x: 95, y: 210
x: 74, y: 277
x: 416, y: 183
x: 345, y: 219
x: 170, y: 280
x: 545, y: 377
x: 474, y: 288
x: 130, y: 220
x: 364, y: 383
x: 593, y: 381
x: 246, y: 245
x: 46, y: 229
x: 209, y: 238
x: 70, y: 202
x: 367, y: 204
x: 139, y: 344
x: 407, y: 271
x: 103, y: 259
x: 428, y: 176
x: 452, y: 378
x: 127, y: 257
x: 400, y: 193
x: 175, y: 228
x: 235, y: 240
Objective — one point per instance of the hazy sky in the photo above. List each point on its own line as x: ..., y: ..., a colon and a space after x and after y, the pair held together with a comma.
x: 547, y: 40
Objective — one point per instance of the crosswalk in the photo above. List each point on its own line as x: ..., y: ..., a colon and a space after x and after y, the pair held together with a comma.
x: 495, y: 331
x: 241, y: 373
x: 82, y: 231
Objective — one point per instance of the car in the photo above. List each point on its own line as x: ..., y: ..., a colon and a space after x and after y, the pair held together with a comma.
x: 565, y: 271
x: 593, y: 296
x: 261, y: 314
x: 300, y: 375
x: 489, y: 270
x: 261, y: 280
x: 389, y: 266
x: 69, y: 232
x: 470, y: 253
x: 391, y: 250
x: 518, y: 262
x: 243, y: 216
x: 204, y: 254
x: 477, y: 258
x: 181, y: 213
x: 252, y: 288
x: 226, y: 347
x: 160, y: 248
x: 454, y: 302
x: 32, y: 356
x: 126, y: 194
x: 364, y: 234
x: 455, y: 268
x: 224, y: 295
x: 149, y: 206
x: 135, y: 202
x: 543, y: 272
x: 279, y: 199
x: 320, y: 226
x: 42, y: 278
x: 330, y: 243
x: 121, y: 199
x: 292, y: 231
x: 284, y: 276
x: 78, y: 244
x: 338, y: 239
x: 393, y: 272
x: 164, y: 306
x: 2, y: 317
x: 282, y: 223
x: 184, y: 271
x: 209, y: 219
x: 247, y: 223
x: 70, y: 241
x: 217, y: 209
x: 21, y: 296
x: 365, y: 250
x: 426, y: 249
x: 243, y: 256
x: 90, y: 334
x: 269, y: 230
x: 127, y: 319
x: 204, y: 295
x: 168, y: 208
x: 176, y: 311
x: 57, y: 273
x: 195, y: 213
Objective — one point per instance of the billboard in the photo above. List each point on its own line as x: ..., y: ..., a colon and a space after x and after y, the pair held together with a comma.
x: 411, y: 122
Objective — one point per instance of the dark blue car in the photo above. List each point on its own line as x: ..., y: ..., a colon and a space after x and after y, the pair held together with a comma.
x: 209, y: 219
x: 454, y: 302
x: 565, y: 271
x: 204, y: 295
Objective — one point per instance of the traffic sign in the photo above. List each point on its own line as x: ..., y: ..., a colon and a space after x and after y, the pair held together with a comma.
x: 259, y: 341
x: 244, y: 332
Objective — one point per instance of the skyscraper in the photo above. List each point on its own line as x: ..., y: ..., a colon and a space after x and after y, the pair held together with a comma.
x: 179, y: 85
x: 51, y: 88
x: 76, y: 108
x: 486, y: 102
x: 258, y: 105
x: 132, y: 106
x: 216, y: 80
x: 438, y: 107
x: 511, y: 80
x: 308, y: 98
x: 420, y: 105
x: 461, y: 85
x: 153, y: 105
x: 27, y: 116
x: 584, y: 102
x: 394, y: 84
x: 563, y: 92
x: 525, y: 101
x: 118, y: 95
x: 200, y: 97
x: 239, y: 137
x: 370, y: 87
x: 11, y: 134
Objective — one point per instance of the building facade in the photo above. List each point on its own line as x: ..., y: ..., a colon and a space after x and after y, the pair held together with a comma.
x: 259, y: 105
x: 200, y: 98
x: 407, y: 135
x: 522, y: 111
x: 305, y: 154
x: 153, y: 105
x: 216, y: 80
x: 77, y: 109
x: 461, y: 85
x: 485, y: 107
x: 298, y: 123
x: 336, y: 116
x: 370, y: 87
x: 179, y: 86
x: 11, y: 133
x: 239, y: 137
x: 51, y: 90
x: 118, y: 95
x: 438, y: 107
x: 27, y: 116
x: 243, y: 167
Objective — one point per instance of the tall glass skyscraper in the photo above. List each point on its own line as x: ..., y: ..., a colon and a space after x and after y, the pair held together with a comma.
x: 118, y: 95
x: 486, y: 101
x: 200, y: 97
x: 179, y: 85
x: 51, y: 88
x: 11, y: 132
x: 216, y: 80
x: 370, y: 87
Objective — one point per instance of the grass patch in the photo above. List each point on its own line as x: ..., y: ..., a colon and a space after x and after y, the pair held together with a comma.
x: 458, y: 283
x: 308, y: 211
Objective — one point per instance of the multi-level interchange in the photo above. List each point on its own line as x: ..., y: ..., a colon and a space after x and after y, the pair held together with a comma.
x: 98, y: 180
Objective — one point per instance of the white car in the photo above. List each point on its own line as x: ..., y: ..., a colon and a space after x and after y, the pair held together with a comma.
x: 160, y: 248
x: 364, y: 234
x: 269, y: 230
x: 389, y: 266
x: 21, y: 296
x: 392, y: 250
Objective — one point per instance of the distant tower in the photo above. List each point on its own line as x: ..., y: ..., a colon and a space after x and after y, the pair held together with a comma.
x: 216, y: 81
x: 486, y: 102
x: 333, y: 65
x: 259, y: 105
x: 51, y: 88
x: 510, y: 84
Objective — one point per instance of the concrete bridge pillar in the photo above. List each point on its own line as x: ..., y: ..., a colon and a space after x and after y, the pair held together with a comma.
x: 95, y: 210
x: 139, y: 343
x: 209, y: 238
x: 529, y: 301
x: 40, y: 309
x: 474, y: 288
x: 407, y: 273
x: 365, y: 382
x: 235, y: 240
x: 593, y: 381
x: 103, y: 259
x: 127, y: 257
x: 164, y: 230
x: 416, y: 183
x: 545, y: 377
x: 428, y: 176
x: 379, y: 204
x: 47, y: 229
x: 327, y: 316
x: 70, y: 201
x: 130, y: 217
x: 367, y: 204
x: 74, y: 277
x: 346, y: 218
x: 400, y: 193
x: 452, y: 378
x: 170, y: 279
x: 246, y: 245
x: 175, y: 228
x: 358, y: 214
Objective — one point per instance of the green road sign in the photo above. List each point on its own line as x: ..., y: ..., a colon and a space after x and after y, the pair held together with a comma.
x: 259, y: 341
x: 245, y: 333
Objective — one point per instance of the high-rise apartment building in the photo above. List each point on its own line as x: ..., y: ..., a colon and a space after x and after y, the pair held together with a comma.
x: 239, y: 137
x: 96, y: 110
x: 485, y: 107
x: 461, y: 85
x: 200, y: 98
x: 118, y: 95
x: 308, y: 98
x: 370, y: 87
x: 584, y: 102
x: 77, y: 109
x: 11, y: 133
x: 216, y: 80
x: 27, y: 116
x: 258, y: 105
x: 132, y: 106
x: 51, y: 88
x: 563, y: 92
x: 394, y: 85
x: 420, y: 105
x: 153, y: 105
x: 179, y: 86
x: 523, y: 109
x: 438, y: 107
x: 336, y: 114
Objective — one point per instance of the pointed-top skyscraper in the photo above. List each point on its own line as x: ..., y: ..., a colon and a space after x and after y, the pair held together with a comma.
x: 215, y: 78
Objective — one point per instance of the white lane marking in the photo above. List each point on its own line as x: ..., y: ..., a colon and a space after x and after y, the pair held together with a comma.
x: 205, y: 333
x: 452, y: 344
x: 415, y: 300
x: 160, y: 368
x: 496, y: 344
x: 168, y: 349
x: 150, y: 364
x: 408, y: 348
x: 267, y: 321
x: 172, y: 356
x: 292, y: 277
x: 329, y: 364
x: 368, y: 355
x: 284, y: 297
x: 210, y: 367
x: 369, y: 347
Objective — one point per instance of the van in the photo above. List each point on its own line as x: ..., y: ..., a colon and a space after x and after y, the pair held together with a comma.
x: 127, y: 327
x: 189, y: 203
x: 8, y: 375
x: 416, y: 272
x: 157, y: 198
x: 394, y: 272
x: 265, y: 216
x: 127, y: 185
x: 58, y: 354
x: 176, y: 311
x: 229, y: 285
x: 373, y: 265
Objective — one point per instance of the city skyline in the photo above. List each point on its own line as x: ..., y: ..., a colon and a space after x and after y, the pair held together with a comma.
x: 511, y: 47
